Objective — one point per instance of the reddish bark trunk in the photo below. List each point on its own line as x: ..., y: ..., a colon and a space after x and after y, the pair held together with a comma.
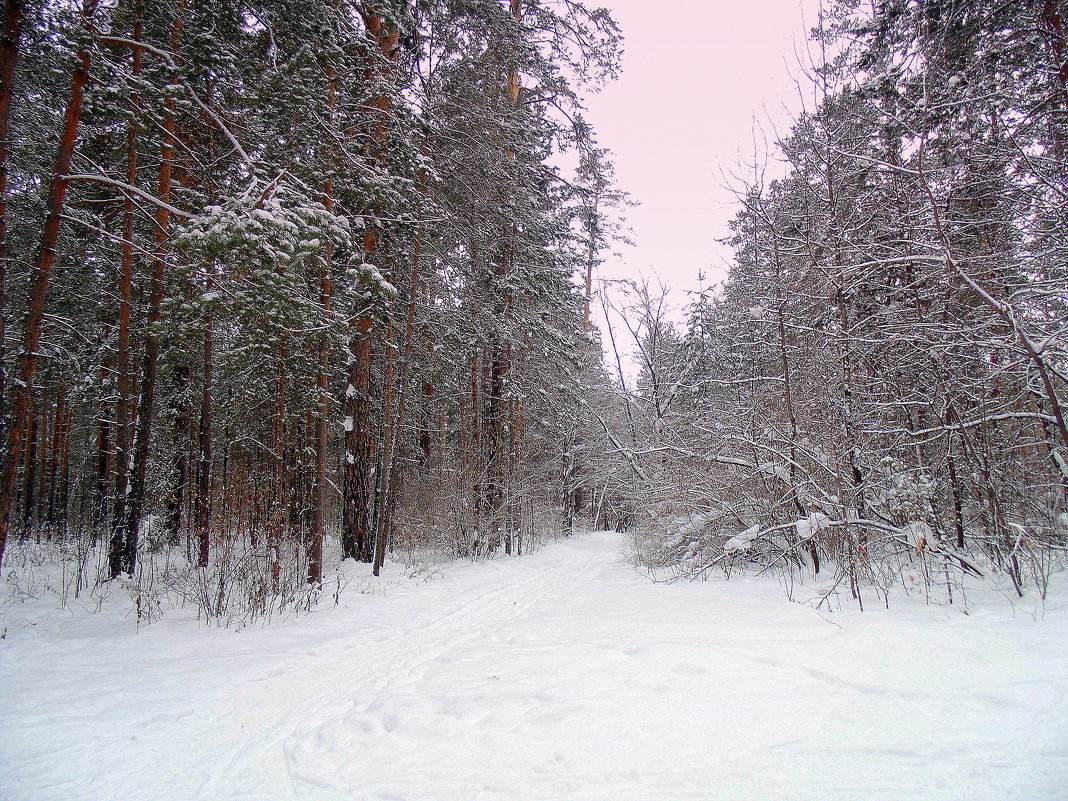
x: 55, y: 457
x: 123, y: 553
x: 357, y: 536
x: 359, y: 447
x: 9, y: 51
x: 29, y: 476
x: 103, y: 462
x: 1051, y: 15
x: 39, y: 284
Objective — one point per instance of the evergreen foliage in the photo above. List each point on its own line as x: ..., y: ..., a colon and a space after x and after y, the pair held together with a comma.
x: 351, y: 280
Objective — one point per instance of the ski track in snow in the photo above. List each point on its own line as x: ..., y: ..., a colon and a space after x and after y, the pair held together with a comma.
x: 561, y: 675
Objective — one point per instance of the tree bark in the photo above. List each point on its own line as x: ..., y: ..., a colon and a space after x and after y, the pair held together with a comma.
x: 103, y: 471
x: 500, y: 363
x: 279, y: 514
x: 46, y: 254
x: 55, y: 458
x: 322, y: 381
x: 125, y: 403
x: 175, y: 520
x: 29, y: 476
x: 359, y: 447
x: 9, y: 52
x: 357, y: 539
x: 202, y: 499
x: 396, y: 420
x: 123, y: 552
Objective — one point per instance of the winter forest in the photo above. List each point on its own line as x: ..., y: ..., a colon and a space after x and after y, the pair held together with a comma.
x: 306, y: 311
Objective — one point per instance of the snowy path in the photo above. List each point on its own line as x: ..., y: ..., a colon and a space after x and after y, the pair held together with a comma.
x: 561, y: 675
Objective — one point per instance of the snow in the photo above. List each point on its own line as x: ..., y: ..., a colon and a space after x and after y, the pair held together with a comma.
x: 776, y: 470
x: 371, y: 274
x: 919, y: 534
x: 564, y: 674
x: 809, y: 527
x: 741, y: 542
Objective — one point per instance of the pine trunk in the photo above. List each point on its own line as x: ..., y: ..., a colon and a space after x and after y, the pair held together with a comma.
x: 202, y: 500
x: 359, y: 447
x: 29, y: 473
x: 123, y: 553
x: 176, y: 498
x: 55, y: 459
x: 9, y: 52
x: 357, y: 539
x: 322, y: 380
x: 392, y: 431
x: 23, y: 392
x: 125, y: 403
x: 279, y: 512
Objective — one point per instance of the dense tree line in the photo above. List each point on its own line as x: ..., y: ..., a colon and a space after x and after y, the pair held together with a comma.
x: 289, y: 283
x: 279, y: 271
x: 881, y: 381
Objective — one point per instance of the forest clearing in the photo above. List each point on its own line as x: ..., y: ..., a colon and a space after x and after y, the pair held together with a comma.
x: 566, y: 674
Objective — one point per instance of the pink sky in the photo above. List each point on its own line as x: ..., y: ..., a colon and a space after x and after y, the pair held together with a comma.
x: 698, y: 78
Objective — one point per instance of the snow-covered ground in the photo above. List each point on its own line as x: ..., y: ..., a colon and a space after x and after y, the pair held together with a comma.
x: 560, y: 675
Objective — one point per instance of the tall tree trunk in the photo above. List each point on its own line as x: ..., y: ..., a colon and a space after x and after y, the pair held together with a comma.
x: 124, y: 406
x: 957, y: 492
x: 44, y: 436
x: 359, y: 447
x: 357, y: 540
x: 29, y: 474
x: 55, y: 458
x: 496, y: 458
x: 279, y: 513
x: 103, y: 471
x: 123, y: 552
x: 395, y: 421
x: 788, y: 403
x: 568, y: 496
x: 382, y: 471
x: 1053, y: 21
x: 175, y: 520
x: 9, y: 52
x: 64, y: 475
x: 500, y: 362
x: 202, y: 500
x: 322, y: 380
x: 57, y: 189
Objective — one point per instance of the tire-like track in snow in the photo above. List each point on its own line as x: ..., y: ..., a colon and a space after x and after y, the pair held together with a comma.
x: 315, y: 733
